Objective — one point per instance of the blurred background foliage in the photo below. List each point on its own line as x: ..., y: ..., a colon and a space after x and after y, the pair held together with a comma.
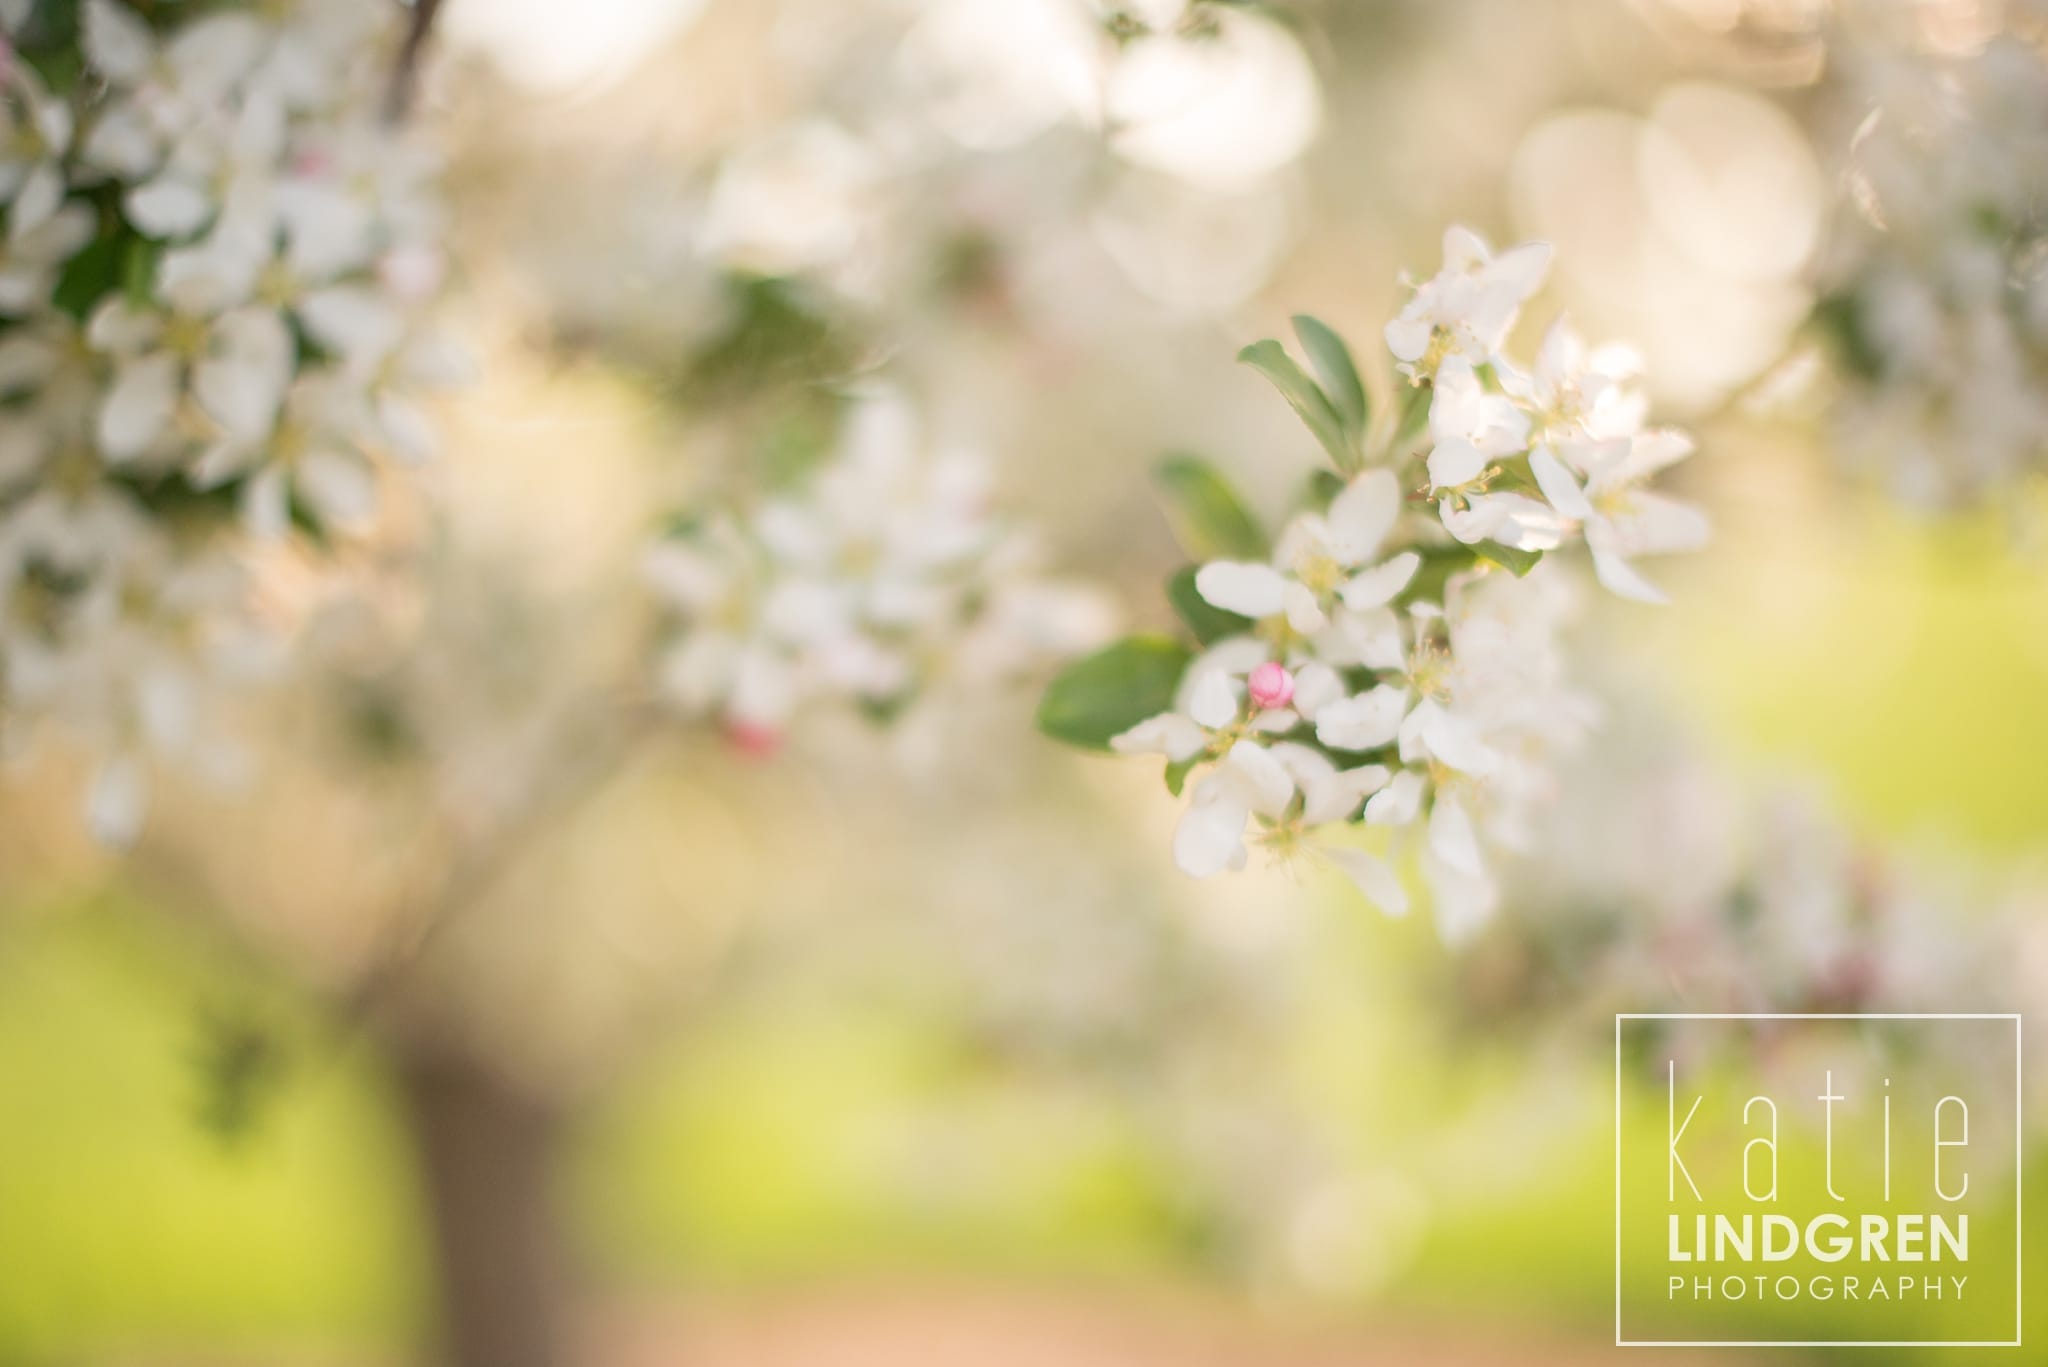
x: 943, y: 1037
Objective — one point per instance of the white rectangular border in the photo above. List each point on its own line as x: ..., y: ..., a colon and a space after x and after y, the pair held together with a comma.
x: 2018, y: 1193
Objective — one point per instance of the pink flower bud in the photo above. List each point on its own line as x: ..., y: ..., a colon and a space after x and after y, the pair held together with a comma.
x: 1270, y: 685
x: 754, y: 739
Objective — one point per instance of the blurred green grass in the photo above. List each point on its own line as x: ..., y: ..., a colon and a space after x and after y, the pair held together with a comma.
x: 1906, y: 664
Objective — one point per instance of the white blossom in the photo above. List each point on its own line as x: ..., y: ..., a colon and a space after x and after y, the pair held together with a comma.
x: 1423, y: 711
x: 1931, y: 281
x: 244, y: 336
x: 1467, y: 309
x: 880, y: 576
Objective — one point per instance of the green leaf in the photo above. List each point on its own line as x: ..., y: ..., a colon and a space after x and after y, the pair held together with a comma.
x: 1322, y: 490
x: 1334, y: 366
x: 1209, y: 622
x: 1414, y: 418
x: 1840, y: 318
x: 1107, y: 693
x: 1309, y: 402
x: 1208, y: 518
x: 138, y: 270
x: 1177, y: 773
x: 1521, y: 562
x: 1439, y: 563
x: 89, y: 275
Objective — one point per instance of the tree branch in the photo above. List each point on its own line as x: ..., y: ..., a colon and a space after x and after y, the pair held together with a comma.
x: 405, y: 74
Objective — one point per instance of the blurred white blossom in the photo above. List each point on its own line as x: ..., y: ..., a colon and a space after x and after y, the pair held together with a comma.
x: 1934, y: 280
x: 879, y: 575
x: 217, y: 254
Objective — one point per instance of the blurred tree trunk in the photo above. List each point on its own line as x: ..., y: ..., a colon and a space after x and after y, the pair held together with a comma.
x: 488, y: 1164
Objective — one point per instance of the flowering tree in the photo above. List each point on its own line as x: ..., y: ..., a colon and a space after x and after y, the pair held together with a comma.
x: 219, y: 252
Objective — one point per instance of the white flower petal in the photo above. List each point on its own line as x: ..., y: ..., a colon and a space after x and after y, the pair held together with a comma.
x: 352, y: 322
x: 1316, y: 685
x: 266, y: 504
x: 1558, y: 485
x: 1408, y: 338
x: 138, y: 405
x: 1371, y: 638
x: 1366, y: 722
x: 1210, y: 836
x: 242, y: 383
x: 1373, y: 877
x: 1621, y: 579
x: 1170, y: 734
x: 37, y: 200
x: 168, y: 207
x: 340, y: 487
x: 1246, y: 589
x: 1519, y: 271
x: 1304, y: 613
x: 1451, y: 837
x: 1398, y: 803
x: 1361, y: 516
x: 120, y: 142
x: 1431, y: 730
x: 1455, y: 462
x: 408, y: 431
x: 1213, y: 702
x: 1463, y: 902
x: 117, y: 42
x: 1256, y: 779
x: 1379, y: 585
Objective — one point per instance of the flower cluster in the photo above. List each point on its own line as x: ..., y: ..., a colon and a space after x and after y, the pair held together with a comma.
x: 1392, y: 659
x: 215, y: 258
x: 1934, y: 282
x: 875, y: 576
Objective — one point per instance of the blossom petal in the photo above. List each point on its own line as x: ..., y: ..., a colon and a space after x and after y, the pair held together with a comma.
x: 1557, y: 484
x: 266, y: 504
x: 1397, y: 804
x: 1455, y: 462
x: 1304, y: 613
x: 1408, y: 338
x: 1431, y: 730
x: 1210, y: 836
x: 1373, y: 877
x: 117, y: 42
x: 120, y: 142
x: 1361, y: 516
x: 1213, y: 702
x: 1463, y: 902
x: 138, y: 405
x: 1170, y: 734
x: 1249, y: 590
x: 340, y: 487
x: 1379, y: 585
x: 1257, y: 779
x: 37, y: 200
x: 1316, y: 685
x: 1366, y: 722
x: 1451, y: 837
x: 1519, y: 271
x: 241, y: 385
x: 1620, y: 578
x: 168, y: 207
